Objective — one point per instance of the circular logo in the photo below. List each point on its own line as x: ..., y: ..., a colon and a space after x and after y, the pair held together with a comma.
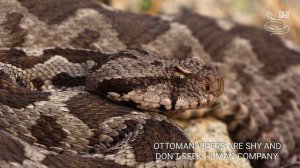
x: 275, y: 26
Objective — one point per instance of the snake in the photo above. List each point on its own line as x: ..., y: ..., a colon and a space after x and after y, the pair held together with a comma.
x: 84, y: 85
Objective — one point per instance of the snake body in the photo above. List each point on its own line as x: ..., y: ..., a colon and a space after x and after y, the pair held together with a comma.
x: 60, y: 78
x: 91, y: 103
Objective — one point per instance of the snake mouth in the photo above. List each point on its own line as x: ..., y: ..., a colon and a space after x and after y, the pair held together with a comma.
x: 159, y: 104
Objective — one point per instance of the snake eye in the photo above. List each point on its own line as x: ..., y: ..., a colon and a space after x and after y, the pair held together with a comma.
x: 178, y: 79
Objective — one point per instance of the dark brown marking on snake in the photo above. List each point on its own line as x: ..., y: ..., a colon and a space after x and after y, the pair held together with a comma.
x: 73, y: 161
x: 19, y: 58
x: 48, y: 131
x: 273, y: 129
x: 119, y: 55
x: 128, y: 84
x: 11, y: 149
x: 77, y: 56
x: 183, y: 52
x: 269, y: 49
x: 80, y: 56
x: 83, y: 106
x: 131, y: 125
x: 130, y: 104
x: 285, y: 106
x: 60, y: 10
x: 16, y: 32
x: 38, y: 83
x: 244, y: 78
x: 157, y: 131
x: 156, y: 63
x: 211, y: 36
x: 20, y: 81
x: 285, y: 98
x: 85, y: 39
x: 63, y: 79
x: 129, y: 33
x: 13, y: 95
x: 120, y: 132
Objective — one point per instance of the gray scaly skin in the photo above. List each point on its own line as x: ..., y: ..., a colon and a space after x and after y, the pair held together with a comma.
x: 260, y: 102
x: 45, y: 103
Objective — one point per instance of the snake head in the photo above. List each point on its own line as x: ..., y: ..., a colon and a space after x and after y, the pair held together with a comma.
x: 150, y: 82
x: 194, y: 84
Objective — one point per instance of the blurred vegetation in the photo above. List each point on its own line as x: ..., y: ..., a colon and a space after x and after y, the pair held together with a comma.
x: 251, y: 12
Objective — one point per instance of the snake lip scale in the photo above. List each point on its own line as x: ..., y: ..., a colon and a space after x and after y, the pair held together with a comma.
x: 84, y: 85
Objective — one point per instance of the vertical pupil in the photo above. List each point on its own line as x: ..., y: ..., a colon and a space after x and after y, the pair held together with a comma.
x: 178, y: 79
x: 207, y: 87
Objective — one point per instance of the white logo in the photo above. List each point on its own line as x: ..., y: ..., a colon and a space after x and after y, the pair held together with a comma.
x: 277, y: 26
x: 284, y: 14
